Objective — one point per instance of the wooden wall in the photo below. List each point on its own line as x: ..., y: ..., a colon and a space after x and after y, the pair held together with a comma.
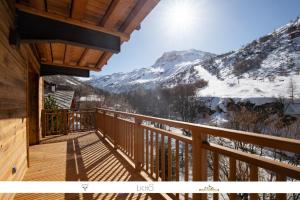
x: 13, y: 101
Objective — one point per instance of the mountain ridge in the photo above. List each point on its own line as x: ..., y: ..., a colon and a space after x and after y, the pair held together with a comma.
x: 268, y: 63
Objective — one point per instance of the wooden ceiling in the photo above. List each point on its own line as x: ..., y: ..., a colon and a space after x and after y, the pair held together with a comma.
x: 116, y: 17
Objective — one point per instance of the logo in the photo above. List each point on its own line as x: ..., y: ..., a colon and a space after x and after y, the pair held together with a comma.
x: 209, y: 189
x: 85, y: 186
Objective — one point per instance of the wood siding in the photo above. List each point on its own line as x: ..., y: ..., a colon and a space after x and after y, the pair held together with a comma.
x: 13, y: 101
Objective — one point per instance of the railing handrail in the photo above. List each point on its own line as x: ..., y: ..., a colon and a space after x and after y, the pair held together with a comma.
x: 152, y: 149
x: 286, y: 144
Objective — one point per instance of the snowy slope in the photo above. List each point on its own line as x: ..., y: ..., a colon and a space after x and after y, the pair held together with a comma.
x: 260, y: 70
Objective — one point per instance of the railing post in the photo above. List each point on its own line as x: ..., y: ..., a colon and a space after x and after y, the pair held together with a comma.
x: 138, y: 144
x: 199, y: 158
x: 116, y: 128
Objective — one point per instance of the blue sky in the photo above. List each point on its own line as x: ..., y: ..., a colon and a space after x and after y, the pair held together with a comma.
x: 217, y: 26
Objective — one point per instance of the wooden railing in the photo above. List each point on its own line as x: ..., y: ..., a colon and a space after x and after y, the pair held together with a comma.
x: 158, y: 148
x: 63, y: 121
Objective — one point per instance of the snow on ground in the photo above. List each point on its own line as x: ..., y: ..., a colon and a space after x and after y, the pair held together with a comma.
x: 257, y: 91
x: 83, y: 79
x: 91, y: 98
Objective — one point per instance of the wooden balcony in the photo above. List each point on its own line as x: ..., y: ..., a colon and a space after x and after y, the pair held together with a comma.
x: 80, y: 156
x: 123, y: 146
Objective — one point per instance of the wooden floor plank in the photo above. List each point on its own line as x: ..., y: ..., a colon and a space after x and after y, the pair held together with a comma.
x: 84, y: 156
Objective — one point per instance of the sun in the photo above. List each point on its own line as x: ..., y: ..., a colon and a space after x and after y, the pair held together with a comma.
x: 181, y: 15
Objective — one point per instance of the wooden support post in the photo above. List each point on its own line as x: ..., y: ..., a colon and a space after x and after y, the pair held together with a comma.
x: 199, y: 157
x: 43, y: 118
x: 138, y: 144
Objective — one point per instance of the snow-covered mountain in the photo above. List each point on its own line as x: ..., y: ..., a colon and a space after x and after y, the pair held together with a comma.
x: 263, y: 68
x: 166, y: 72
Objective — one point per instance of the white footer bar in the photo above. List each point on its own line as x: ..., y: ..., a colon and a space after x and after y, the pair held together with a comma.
x: 148, y: 187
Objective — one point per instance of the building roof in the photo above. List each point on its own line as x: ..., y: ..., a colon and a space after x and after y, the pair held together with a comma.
x: 292, y: 109
x: 113, y: 17
x: 63, y: 98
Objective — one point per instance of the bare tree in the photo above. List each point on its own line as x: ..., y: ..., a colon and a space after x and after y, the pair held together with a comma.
x: 292, y: 90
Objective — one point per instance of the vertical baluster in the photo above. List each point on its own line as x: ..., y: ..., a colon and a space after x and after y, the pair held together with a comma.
x: 232, y: 175
x: 67, y: 121
x: 280, y: 196
x: 128, y: 135
x: 163, y: 155
x: 52, y: 124
x: 216, y: 171
x: 157, y: 155
x: 128, y: 139
x: 123, y: 135
x: 45, y: 121
x: 60, y: 121
x: 147, y: 151
x: 169, y: 159
x: 57, y: 121
x: 186, y: 166
x: 132, y: 139
x: 151, y: 154
x: 73, y: 121
x: 177, y: 165
x: 253, y: 177
x: 80, y: 120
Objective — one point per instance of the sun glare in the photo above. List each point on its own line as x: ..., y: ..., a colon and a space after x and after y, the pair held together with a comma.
x: 181, y: 15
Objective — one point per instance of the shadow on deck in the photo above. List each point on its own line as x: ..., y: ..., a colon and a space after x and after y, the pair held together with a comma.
x: 83, y: 156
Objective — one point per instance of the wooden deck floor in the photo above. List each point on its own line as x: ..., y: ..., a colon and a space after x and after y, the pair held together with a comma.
x: 79, y: 157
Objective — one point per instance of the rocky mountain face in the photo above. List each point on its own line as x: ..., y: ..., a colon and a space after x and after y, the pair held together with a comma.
x: 266, y: 67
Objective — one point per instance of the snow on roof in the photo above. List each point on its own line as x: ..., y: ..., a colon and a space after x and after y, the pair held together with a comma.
x: 63, y: 98
x: 292, y: 109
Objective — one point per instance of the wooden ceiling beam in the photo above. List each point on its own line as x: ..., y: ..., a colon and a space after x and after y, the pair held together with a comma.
x: 78, y: 9
x: 83, y: 58
x: 70, y: 66
x: 132, y: 22
x: 44, y: 49
x: 138, y: 13
x: 77, y: 12
x: 38, y: 4
x: 109, y: 12
x: 32, y: 28
x: 122, y: 36
x: 46, y: 70
x: 116, y: 9
x: 103, y: 60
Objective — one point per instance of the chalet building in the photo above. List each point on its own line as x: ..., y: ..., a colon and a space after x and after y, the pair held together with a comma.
x: 74, y: 37
x: 292, y: 109
x: 64, y: 99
